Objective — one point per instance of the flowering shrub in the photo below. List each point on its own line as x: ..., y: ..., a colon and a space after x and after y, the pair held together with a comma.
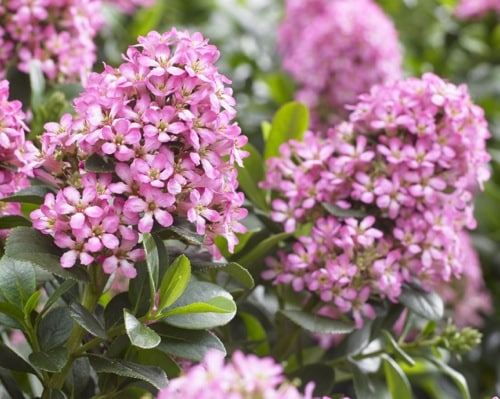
x: 388, y: 194
x: 162, y: 122
x: 335, y: 53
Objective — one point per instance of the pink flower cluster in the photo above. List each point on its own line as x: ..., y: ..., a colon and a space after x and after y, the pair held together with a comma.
x: 467, y: 297
x: 17, y: 155
x: 388, y: 194
x: 334, y: 52
x: 244, y: 376
x: 57, y: 34
x: 162, y: 121
x: 476, y: 8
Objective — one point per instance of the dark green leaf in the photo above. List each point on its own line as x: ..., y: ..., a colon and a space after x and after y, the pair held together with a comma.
x: 54, y: 328
x: 13, y: 361
x: 53, y: 360
x: 17, y: 280
x: 359, y: 339
x: 150, y: 374
x: 32, y: 302
x: 113, y: 313
x: 429, y: 305
x: 398, y: 383
x: 203, y: 292
x: 250, y: 175
x: 139, y: 334
x: 10, y: 384
x: 54, y: 394
x: 79, y: 377
x: 11, y: 221
x: 233, y: 269
x: 290, y: 122
x: 457, y: 378
x: 96, y: 163
x: 363, y: 384
x: 260, y: 250
x: 174, y: 282
x: 343, y: 213
x: 10, y: 315
x: 60, y: 291
x: 317, y: 324
x: 87, y: 320
x: 187, y: 344
x: 152, y: 259
x: 183, y: 234
x: 30, y: 195
x: 155, y: 357
x: 255, y: 333
x: 28, y: 244
x: 139, y: 291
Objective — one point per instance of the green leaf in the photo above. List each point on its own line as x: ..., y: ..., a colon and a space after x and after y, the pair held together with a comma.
x: 233, y: 269
x: 397, y: 349
x: 37, y: 82
x: 398, y: 383
x: 60, y: 291
x: 290, y: 122
x: 113, y: 313
x: 457, y: 377
x: 174, y: 282
x: 52, y: 360
x: 10, y: 384
x: 139, y: 334
x: 32, y: 302
x: 9, y: 312
x: 215, y: 305
x: 30, y: 195
x: 96, y: 163
x: 155, y: 357
x: 182, y: 234
x: 10, y: 221
x: 255, y: 333
x: 87, y: 320
x: 17, y: 280
x: 429, y: 305
x: 150, y: 374
x: 200, y: 292
x: 343, y: 213
x: 54, y: 328
x: 266, y: 130
x: 139, y: 291
x: 187, y: 344
x: 28, y: 244
x: 79, y: 378
x: 364, y: 385
x: 152, y: 258
x: 317, y: 324
x: 250, y: 175
x: 147, y: 19
x: 54, y: 394
x: 256, y: 254
x: 13, y: 361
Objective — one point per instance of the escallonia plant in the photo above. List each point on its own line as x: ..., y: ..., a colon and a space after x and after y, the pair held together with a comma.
x: 132, y: 260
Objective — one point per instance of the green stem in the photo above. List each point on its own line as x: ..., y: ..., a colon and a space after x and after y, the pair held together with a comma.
x: 91, y: 294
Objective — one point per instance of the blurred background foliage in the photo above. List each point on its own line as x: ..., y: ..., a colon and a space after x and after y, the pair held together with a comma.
x: 432, y: 39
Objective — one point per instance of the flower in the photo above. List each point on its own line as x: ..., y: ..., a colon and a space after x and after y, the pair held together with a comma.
x: 335, y: 53
x: 171, y: 152
x: 242, y: 376
x: 389, y: 203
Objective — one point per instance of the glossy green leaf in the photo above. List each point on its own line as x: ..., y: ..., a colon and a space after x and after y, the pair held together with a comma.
x: 152, y: 260
x: 79, y: 378
x: 290, y: 122
x: 457, y: 377
x: 11, y: 360
x: 150, y: 374
x: 28, y: 244
x: 54, y: 328
x: 30, y: 195
x: 87, y: 320
x: 343, y: 213
x: 10, y: 315
x: 174, y: 282
x: 113, y: 313
x: 141, y: 296
x: 317, y: 324
x: 155, y: 357
x: 255, y: 333
x: 398, y: 383
x: 187, y: 344
x: 139, y: 334
x: 429, y: 305
x: 260, y: 250
x: 52, y: 360
x: 250, y: 175
x: 58, y: 293
x: 17, y: 280
x: 215, y: 306
x: 32, y: 302
x: 183, y: 234
x: 233, y: 269
x: 11, y: 221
